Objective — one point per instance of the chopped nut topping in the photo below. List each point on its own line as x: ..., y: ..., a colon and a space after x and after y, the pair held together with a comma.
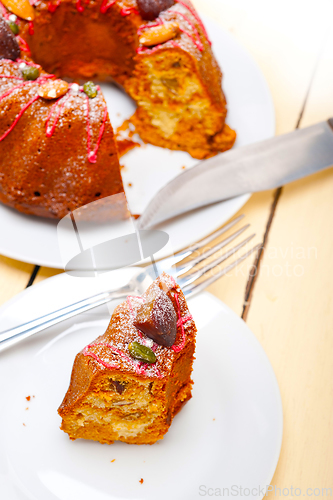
x: 159, y: 34
x: 53, y: 89
x: 20, y: 8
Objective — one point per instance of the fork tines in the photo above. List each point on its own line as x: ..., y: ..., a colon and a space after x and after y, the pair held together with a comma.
x: 200, y: 252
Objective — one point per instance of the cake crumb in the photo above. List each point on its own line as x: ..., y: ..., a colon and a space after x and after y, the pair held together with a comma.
x: 28, y: 398
x: 113, y: 460
x: 27, y: 408
x: 214, y: 419
x: 141, y: 481
x: 130, y: 184
x: 24, y: 425
x: 183, y: 167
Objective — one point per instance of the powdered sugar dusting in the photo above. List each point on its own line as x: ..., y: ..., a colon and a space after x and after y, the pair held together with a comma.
x: 111, y: 349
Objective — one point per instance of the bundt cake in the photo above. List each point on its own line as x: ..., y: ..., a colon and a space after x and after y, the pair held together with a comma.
x: 56, y: 144
x: 129, y: 383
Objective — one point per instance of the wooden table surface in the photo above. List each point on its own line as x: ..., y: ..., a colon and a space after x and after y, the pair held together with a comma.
x: 288, y: 303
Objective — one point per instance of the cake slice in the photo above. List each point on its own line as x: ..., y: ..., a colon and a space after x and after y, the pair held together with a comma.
x: 129, y: 383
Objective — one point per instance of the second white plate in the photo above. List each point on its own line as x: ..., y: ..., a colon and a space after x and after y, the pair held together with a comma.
x: 227, y: 438
x: 147, y: 169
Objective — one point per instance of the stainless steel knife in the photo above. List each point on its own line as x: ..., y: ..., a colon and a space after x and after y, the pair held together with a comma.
x: 256, y: 167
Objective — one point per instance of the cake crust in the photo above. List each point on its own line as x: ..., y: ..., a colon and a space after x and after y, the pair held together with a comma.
x: 45, y: 166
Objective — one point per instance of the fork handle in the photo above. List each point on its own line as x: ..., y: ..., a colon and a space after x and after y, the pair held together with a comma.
x: 10, y: 337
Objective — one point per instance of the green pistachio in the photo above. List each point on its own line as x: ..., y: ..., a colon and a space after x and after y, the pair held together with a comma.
x: 141, y: 352
x: 90, y: 89
x: 14, y: 27
x: 30, y: 73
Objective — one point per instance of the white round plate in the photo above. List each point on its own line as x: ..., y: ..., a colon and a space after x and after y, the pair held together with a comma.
x: 227, y: 437
x: 147, y: 169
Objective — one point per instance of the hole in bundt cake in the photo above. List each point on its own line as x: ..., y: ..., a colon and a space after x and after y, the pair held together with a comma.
x: 97, y: 195
x: 37, y: 193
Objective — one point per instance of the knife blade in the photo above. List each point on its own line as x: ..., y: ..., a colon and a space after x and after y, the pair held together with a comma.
x: 256, y: 167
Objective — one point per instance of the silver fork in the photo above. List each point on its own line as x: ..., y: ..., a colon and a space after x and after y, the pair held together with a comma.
x: 144, y: 277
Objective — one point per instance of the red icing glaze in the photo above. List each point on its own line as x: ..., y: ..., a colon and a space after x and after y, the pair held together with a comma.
x: 130, y: 307
x: 175, y: 44
x: 99, y: 360
x: 13, y: 88
x: 92, y: 155
x: 184, y: 320
x: 192, y: 38
x: 5, y: 12
x: 140, y: 368
x: 181, y: 321
x: 19, y: 116
x: 106, y: 5
x: 197, y: 41
x: 79, y: 6
x: 159, y: 21
x: 145, y: 50
x: 31, y: 28
x: 40, y: 80
x: 126, y: 11
x: 9, y: 76
x: 49, y: 132
x: 23, y: 45
x: 30, y: 63
x: 194, y: 14
x: 52, y: 7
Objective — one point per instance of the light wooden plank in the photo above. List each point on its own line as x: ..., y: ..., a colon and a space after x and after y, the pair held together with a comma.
x: 14, y: 277
x: 291, y: 311
x: 231, y: 287
x: 46, y: 272
x: 284, y: 39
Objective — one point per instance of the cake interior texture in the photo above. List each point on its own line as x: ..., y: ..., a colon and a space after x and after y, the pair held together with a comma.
x: 175, y: 110
x: 123, y: 408
x: 113, y: 397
